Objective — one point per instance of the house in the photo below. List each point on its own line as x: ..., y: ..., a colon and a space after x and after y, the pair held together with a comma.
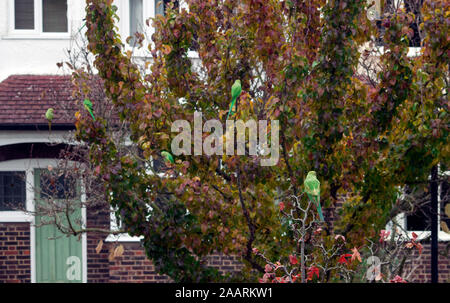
x: 34, y: 35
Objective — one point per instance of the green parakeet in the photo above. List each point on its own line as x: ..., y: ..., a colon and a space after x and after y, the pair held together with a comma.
x: 236, y: 90
x: 168, y: 156
x: 88, y: 105
x: 49, y: 117
x: 312, y: 189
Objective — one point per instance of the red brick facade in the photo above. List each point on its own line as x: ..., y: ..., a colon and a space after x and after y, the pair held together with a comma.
x: 15, y: 261
x: 422, y: 273
x: 133, y: 266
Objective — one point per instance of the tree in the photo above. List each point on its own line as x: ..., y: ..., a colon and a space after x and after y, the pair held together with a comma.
x: 366, y: 134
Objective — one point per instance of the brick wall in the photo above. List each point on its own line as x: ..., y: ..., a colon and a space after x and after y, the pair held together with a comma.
x: 97, y: 263
x: 133, y: 266
x: 15, y: 265
x: 422, y: 271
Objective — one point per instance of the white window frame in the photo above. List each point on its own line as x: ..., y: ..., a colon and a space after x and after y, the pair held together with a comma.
x: 421, y: 234
x: 149, y: 11
x: 8, y: 216
x: 37, y: 32
x: 28, y: 165
x: 114, y: 226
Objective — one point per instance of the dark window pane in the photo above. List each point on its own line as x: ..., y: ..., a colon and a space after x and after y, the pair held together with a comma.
x: 24, y: 14
x: 12, y: 190
x: 414, y: 7
x: 54, y: 16
x: 421, y: 218
x: 57, y: 187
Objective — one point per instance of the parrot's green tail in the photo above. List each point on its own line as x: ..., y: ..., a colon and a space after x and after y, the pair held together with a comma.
x: 231, y: 107
x: 92, y: 115
x: 319, y: 210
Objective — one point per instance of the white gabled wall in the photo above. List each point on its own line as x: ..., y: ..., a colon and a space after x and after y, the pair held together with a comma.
x: 38, y: 53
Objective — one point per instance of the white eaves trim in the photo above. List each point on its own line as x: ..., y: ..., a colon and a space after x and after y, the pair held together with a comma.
x: 18, y: 136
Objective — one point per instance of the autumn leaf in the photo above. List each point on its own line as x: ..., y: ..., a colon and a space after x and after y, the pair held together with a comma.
x: 313, y: 270
x: 118, y: 252
x: 343, y: 258
x: 99, y: 247
x: 356, y: 255
x: 444, y: 227
x: 293, y: 260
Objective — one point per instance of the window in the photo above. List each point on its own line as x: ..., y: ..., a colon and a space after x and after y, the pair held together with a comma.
x: 419, y: 220
x: 54, y: 16
x: 160, y: 9
x: 58, y: 187
x: 40, y: 16
x: 161, y: 6
x: 379, y: 11
x: 12, y: 190
x: 24, y: 14
x: 136, y: 19
x: 444, y: 197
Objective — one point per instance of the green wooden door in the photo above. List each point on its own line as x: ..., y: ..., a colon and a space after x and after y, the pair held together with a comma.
x: 58, y: 256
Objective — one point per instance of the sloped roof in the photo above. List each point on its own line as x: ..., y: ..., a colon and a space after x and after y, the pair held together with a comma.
x: 24, y: 100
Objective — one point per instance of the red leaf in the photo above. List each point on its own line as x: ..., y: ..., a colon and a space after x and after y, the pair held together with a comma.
x: 293, y: 259
x: 313, y: 270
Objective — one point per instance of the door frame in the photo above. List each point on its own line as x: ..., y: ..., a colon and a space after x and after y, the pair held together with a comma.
x: 28, y: 166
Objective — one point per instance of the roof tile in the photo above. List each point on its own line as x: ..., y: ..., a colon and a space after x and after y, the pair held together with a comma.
x: 24, y: 99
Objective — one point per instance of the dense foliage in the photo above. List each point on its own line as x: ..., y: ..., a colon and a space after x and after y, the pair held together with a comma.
x: 299, y: 63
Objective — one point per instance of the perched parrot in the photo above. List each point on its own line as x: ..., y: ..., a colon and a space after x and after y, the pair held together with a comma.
x: 49, y: 117
x: 312, y: 189
x: 88, y: 105
x: 236, y: 90
x: 168, y: 156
